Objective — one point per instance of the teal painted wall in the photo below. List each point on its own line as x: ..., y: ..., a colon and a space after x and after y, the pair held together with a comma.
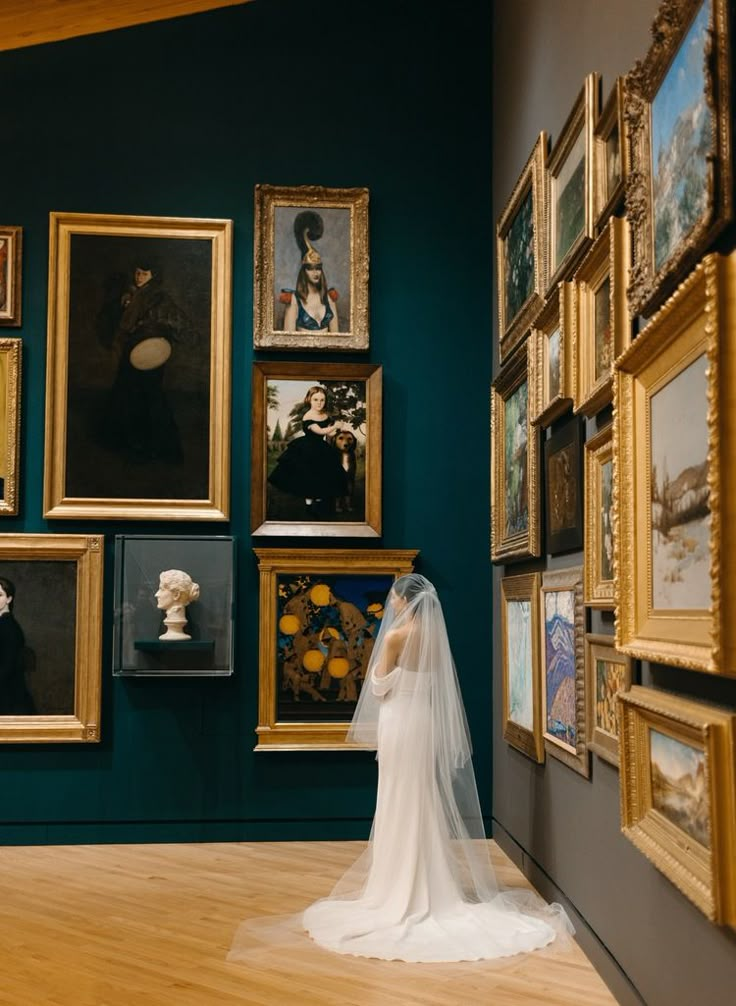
x: 183, y: 118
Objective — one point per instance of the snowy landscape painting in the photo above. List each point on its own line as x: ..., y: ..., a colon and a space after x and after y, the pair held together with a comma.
x: 519, y: 663
x: 679, y: 786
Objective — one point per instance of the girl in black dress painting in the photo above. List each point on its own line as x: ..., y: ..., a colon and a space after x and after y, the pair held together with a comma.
x: 310, y: 467
x: 15, y: 699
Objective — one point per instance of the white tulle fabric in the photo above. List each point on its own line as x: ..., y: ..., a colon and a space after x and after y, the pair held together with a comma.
x: 424, y: 889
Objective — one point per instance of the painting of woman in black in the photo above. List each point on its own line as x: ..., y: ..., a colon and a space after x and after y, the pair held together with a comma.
x: 15, y: 699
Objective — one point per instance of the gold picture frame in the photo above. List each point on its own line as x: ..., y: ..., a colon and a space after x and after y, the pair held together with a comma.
x: 570, y: 218
x: 330, y: 226
x: 598, y: 556
x: 296, y: 650
x: 515, y: 499
x: 602, y: 329
x: 522, y: 684
x: 687, y: 70
x: 607, y: 674
x: 520, y: 236
x: 674, y: 437
x: 552, y: 339
x: 60, y: 663
x: 562, y: 641
x: 138, y: 351
x: 675, y: 749
x: 11, y: 275
x: 10, y: 385
x: 610, y: 156
x: 282, y: 503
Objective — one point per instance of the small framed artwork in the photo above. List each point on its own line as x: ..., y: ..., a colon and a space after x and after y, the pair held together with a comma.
x: 599, y: 552
x: 610, y: 156
x: 316, y: 450
x: 310, y: 277
x: 521, y: 250
x: 11, y: 247
x: 515, y: 518
x: 522, y: 685
x: 551, y: 341
x: 679, y: 194
x: 320, y: 613
x: 563, y: 667
x: 563, y: 470
x: 174, y: 604
x: 674, y: 440
x: 138, y: 368
x: 10, y: 374
x: 570, y: 221
x: 50, y: 637
x: 602, y: 322
x: 607, y: 674
x: 677, y: 794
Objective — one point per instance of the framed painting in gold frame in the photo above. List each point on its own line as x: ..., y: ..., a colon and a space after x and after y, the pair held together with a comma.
x: 53, y: 692
x: 610, y: 156
x: 316, y: 473
x: 320, y: 612
x: 551, y: 347
x: 599, y: 551
x: 674, y: 438
x: 602, y: 323
x: 310, y: 268
x: 607, y: 673
x: 11, y: 247
x: 678, y: 794
x: 138, y: 368
x: 10, y: 384
x: 570, y: 222
x: 515, y: 501
x: 521, y: 250
x: 562, y: 635
x: 522, y: 686
x: 678, y: 116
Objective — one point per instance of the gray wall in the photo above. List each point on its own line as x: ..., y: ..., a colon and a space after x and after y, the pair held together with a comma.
x: 646, y: 938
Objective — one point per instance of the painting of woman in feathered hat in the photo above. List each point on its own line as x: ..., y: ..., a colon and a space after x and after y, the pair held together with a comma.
x: 312, y: 305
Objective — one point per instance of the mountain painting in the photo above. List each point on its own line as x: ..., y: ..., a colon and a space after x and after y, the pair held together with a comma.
x: 679, y: 785
x: 559, y: 667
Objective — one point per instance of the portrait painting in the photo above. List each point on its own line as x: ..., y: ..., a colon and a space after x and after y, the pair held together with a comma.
x: 551, y: 342
x: 677, y: 762
x: 607, y: 673
x: 11, y: 244
x: 521, y: 677
x: 598, y: 553
x: 10, y: 386
x: 603, y: 333
x: 311, y: 268
x: 321, y: 611
x: 563, y: 462
x: 50, y: 649
x: 138, y: 378
x: 317, y: 441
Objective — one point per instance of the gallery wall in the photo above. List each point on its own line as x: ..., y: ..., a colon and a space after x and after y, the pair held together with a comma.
x: 183, y: 118
x: 649, y: 942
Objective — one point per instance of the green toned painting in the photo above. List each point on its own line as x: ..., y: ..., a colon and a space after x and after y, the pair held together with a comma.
x: 516, y: 461
x: 519, y: 282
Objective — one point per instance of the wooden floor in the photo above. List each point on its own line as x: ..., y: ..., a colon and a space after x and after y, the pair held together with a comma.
x: 151, y: 925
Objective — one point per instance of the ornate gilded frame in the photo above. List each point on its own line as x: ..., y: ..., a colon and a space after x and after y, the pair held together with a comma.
x: 704, y: 872
x: 523, y: 588
x: 11, y: 275
x: 608, y: 198
x: 575, y: 757
x: 697, y: 322
x: 602, y: 742
x: 607, y: 260
x: 86, y: 551
x: 10, y: 374
x: 581, y: 120
x: 557, y: 315
x: 315, y: 373
x: 267, y: 199
x: 273, y: 734
x: 599, y: 589
x: 508, y: 545
x: 530, y: 182
x: 650, y: 285
x: 64, y: 227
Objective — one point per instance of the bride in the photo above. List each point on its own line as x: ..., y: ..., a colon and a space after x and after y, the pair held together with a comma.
x: 425, y: 889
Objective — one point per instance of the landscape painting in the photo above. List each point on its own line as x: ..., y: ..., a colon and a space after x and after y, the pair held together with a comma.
x: 610, y: 679
x: 519, y: 630
x: 679, y: 785
x: 561, y: 721
x: 603, y: 330
x: 613, y: 161
x: 682, y: 141
x: 680, y: 497
x: 605, y: 530
x: 519, y: 260
x: 553, y: 365
x: 569, y: 204
x: 516, y: 437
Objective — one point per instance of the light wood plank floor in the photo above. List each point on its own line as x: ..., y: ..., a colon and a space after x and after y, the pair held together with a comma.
x: 150, y: 925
